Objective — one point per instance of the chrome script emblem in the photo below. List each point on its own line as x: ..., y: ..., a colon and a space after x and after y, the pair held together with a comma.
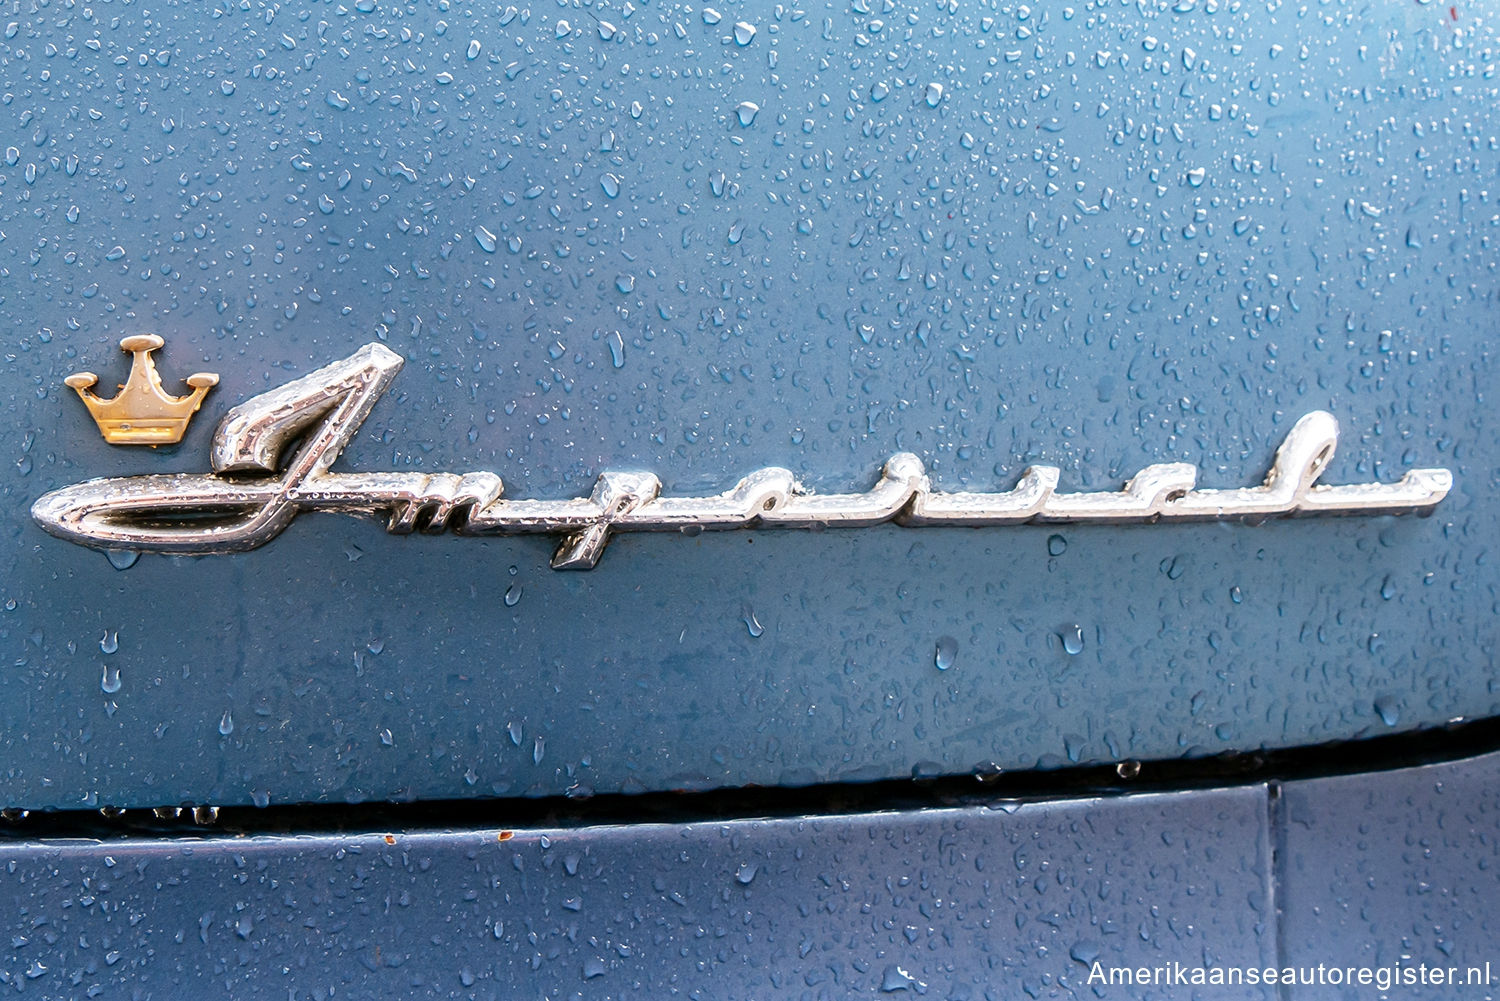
x: 272, y: 457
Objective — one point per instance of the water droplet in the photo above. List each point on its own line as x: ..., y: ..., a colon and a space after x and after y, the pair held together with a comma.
x: 110, y: 683
x: 538, y: 749
x: 514, y: 729
x: 1085, y: 951
x: 1056, y: 545
x: 226, y: 87
x: 894, y: 978
x: 1389, y: 710
x: 625, y: 283
x: 934, y: 94
x: 611, y: 185
x: 337, y: 100
x: 946, y: 652
x: 387, y: 738
x: 488, y: 242
x: 1236, y: 595
x: 751, y: 622
x: 745, y: 873
x: 616, y: 349
x: 1128, y: 769
x: 512, y: 595
x: 474, y: 47
x: 564, y: 29
x: 122, y: 559
x: 711, y: 16
x: 744, y: 33
x: 1072, y: 639
x: 746, y: 111
x: 110, y: 641
x: 226, y: 723
x: 1196, y: 175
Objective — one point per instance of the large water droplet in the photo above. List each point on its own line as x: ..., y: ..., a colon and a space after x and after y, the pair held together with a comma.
x: 1085, y: 951
x: 934, y: 94
x: 226, y: 723
x: 751, y: 622
x: 512, y: 595
x: 122, y: 559
x: 744, y: 33
x: 488, y: 242
x: 746, y: 112
x: 110, y: 641
x: 893, y: 978
x: 1389, y: 710
x: 110, y: 683
x: 946, y: 653
x: 1056, y: 545
x: 1072, y: 639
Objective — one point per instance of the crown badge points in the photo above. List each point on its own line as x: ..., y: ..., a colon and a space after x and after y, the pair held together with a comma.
x: 142, y: 413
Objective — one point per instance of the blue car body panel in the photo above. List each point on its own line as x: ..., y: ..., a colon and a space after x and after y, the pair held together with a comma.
x: 699, y: 241
x: 1382, y: 871
x: 1097, y: 237
x: 950, y: 903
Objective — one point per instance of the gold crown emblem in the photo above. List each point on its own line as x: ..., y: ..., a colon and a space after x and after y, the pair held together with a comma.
x: 142, y: 413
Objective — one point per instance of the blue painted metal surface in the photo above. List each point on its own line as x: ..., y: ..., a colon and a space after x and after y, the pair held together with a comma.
x: 1099, y: 238
x: 955, y: 903
x: 1379, y: 871
x: 1396, y: 870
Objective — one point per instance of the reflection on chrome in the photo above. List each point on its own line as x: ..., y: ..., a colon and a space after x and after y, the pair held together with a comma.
x: 252, y: 494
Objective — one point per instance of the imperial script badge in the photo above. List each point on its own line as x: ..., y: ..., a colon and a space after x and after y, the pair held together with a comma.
x: 255, y: 490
